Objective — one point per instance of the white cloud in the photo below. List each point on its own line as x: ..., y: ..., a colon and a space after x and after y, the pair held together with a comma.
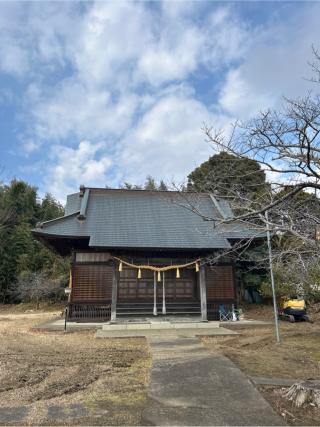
x: 111, y: 38
x: 13, y: 60
x: 168, y: 141
x: 34, y: 35
x: 72, y: 110
x: 275, y: 66
x: 74, y: 166
x: 184, y: 44
x: 163, y: 62
x: 239, y: 98
x: 128, y: 73
x: 102, y: 97
x: 227, y: 38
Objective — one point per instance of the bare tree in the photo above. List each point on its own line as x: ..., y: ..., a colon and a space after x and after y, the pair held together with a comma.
x: 286, y: 144
x: 36, y: 287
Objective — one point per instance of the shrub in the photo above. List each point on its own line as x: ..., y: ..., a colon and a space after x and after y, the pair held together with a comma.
x: 36, y: 287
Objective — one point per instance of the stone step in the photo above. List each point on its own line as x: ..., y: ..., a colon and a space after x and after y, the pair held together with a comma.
x: 159, y: 325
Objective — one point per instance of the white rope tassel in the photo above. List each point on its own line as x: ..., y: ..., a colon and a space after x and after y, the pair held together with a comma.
x: 163, y: 294
x: 155, y: 313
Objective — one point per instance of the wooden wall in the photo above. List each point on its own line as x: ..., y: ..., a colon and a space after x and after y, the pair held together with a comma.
x: 220, y: 283
x: 92, y: 257
x: 92, y: 276
x: 91, y: 282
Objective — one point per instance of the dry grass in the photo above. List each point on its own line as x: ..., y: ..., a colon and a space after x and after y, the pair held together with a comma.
x: 110, y: 377
x: 256, y: 353
x: 31, y: 307
x: 39, y: 369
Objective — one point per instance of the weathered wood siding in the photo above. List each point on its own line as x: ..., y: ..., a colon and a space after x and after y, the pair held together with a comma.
x: 92, y: 276
x: 91, y: 282
x: 220, y: 283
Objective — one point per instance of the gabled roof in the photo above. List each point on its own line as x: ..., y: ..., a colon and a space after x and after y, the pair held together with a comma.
x: 144, y: 219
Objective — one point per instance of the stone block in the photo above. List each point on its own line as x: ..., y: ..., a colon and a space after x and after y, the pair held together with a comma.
x: 161, y: 325
x: 114, y: 327
x: 135, y: 326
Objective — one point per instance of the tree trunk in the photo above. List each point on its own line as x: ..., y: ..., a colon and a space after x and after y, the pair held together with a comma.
x: 304, y: 392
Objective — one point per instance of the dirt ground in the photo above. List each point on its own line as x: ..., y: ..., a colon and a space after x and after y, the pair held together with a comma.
x: 256, y: 352
x: 39, y: 369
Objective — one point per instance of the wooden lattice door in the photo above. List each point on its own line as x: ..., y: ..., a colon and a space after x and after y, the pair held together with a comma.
x: 131, y: 288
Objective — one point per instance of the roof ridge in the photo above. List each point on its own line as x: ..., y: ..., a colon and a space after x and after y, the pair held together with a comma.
x: 140, y: 190
x: 40, y: 224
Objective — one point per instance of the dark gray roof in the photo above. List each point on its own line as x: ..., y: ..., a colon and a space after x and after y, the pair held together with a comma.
x: 145, y: 219
x: 73, y: 204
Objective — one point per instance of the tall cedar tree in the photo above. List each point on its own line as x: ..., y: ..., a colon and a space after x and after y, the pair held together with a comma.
x: 19, y: 251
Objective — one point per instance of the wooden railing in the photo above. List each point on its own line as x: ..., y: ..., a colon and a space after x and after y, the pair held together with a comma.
x: 86, y: 312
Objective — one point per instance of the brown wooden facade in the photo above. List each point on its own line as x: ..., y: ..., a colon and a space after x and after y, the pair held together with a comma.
x: 97, y: 282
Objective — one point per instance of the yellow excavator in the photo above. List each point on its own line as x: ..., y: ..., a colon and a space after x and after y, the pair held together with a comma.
x: 293, y: 309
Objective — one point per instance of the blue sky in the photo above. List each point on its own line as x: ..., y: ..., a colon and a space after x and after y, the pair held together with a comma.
x: 99, y: 93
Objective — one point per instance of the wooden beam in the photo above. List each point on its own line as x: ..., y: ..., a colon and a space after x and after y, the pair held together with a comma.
x: 114, y: 295
x: 203, y: 293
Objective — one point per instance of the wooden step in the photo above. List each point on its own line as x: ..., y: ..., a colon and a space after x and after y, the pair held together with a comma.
x: 150, y: 313
x: 145, y: 308
x: 158, y: 306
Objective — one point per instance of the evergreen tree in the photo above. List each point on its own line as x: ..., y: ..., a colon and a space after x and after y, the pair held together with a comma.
x: 20, y: 253
x: 150, y: 184
x: 50, y: 208
x: 21, y: 199
x: 226, y: 174
x: 162, y: 186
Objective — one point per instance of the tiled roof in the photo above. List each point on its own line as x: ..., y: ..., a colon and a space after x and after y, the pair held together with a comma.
x: 145, y: 219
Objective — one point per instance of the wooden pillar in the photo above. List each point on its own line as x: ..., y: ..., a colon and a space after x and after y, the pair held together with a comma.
x: 155, y: 312
x: 71, y: 275
x: 164, y: 311
x: 203, y: 293
x: 114, y: 295
x: 70, y: 283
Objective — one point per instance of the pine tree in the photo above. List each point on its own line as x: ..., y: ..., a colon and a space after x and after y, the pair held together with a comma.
x: 227, y: 174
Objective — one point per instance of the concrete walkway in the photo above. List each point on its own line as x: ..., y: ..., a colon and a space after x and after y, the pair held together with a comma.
x: 191, y: 386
